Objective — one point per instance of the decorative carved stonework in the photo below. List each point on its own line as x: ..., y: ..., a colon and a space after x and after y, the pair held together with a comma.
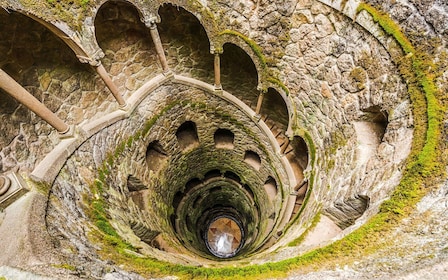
x: 12, y: 186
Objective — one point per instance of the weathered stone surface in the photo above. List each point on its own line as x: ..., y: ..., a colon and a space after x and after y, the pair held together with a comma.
x: 333, y: 68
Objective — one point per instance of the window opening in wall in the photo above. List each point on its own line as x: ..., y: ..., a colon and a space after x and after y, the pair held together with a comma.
x: 190, y: 223
x: 276, y: 110
x: 215, y: 190
x: 212, y: 174
x: 345, y: 213
x: 188, y: 41
x: 137, y: 191
x: 253, y: 159
x: 156, y: 157
x: 232, y: 176
x: 118, y: 23
x: 191, y: 184
x: 196, y: 201
x: 224, y: 139
x: 239, y: 75
x: 370, y: 130
x: 298, y: 157
x: 187, y: 135
x: 270, y: 186
x: 177, y: 199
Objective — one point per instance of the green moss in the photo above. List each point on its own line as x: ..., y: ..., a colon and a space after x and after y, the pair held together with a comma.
x: 276, y: 81
x: 42, y: 187
x: 389, y: 26
x: 63, y: 266
x: 359, y: 76
x: 255, y: 48
x: 302, y: 237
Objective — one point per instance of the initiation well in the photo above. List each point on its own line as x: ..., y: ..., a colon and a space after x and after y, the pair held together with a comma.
x: 202, y: 134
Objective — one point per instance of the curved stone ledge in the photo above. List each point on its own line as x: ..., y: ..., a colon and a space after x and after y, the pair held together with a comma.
x: 47, y: 170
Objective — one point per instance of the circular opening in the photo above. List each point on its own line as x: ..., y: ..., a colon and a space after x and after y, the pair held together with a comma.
x: 224, y: 237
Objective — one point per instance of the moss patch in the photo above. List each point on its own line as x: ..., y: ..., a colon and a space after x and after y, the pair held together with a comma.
x: 251, y: 43
x: 302, y: 237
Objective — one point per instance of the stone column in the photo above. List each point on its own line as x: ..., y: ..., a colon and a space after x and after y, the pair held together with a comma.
x: 159, y: 48
x: 110, y: 84
x: 217, y: 67
x: 94, y: 61
x: 28, y: 100
x: 259, y: 102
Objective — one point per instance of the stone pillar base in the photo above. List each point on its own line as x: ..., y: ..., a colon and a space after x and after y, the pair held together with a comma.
x: 13, y: 187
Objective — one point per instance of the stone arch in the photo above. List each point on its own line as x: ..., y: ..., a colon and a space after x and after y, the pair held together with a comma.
x: 192, y: 183
x: 250, y: 48
x: 187, y: 135
x: 86, y: 53
x: 370, y: 129
x: 253, y: 159
x: 298, y: 157
x: 285, y: 95
x: 224, y: 139
x: 156, y: 156
x: 124, y: 38
x: 270, y: 186
x: 200, y: 12
x: 186, y: 42
x: 35, y: 50
x: 276, y: 108
x: 138, y: 192
x: 214, y: 173
x: 239, y: 74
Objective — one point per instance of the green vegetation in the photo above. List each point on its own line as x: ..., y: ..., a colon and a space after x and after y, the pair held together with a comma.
x: 359, y: 76
x: 64, y: 266
x: 256, y: 49
x: 276, y: 81
x: 302, y: 237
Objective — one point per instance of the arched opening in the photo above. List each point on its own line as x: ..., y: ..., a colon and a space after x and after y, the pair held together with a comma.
x: 177, y: 199
x: 186, y: 43
x: 137, y: 191
x: 345, y: 213
x: 224, y: 139
x: 275, y: 109
x: 232, y: 176
x: 212, y: 174
x: 49, y: 70
x: 239, y: 75
x: 270, y: 186
x: 191, y: 184
x: 253, y: 159
x: 370, y: 130
x: 298, y: 157
x: 130, y: 55
x: 156, y: 157
x: 187, y: 135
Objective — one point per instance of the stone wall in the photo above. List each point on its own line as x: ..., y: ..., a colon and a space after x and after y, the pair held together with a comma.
x: 75, y: 184
x: 349, y: 101
x: 48, y: 69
